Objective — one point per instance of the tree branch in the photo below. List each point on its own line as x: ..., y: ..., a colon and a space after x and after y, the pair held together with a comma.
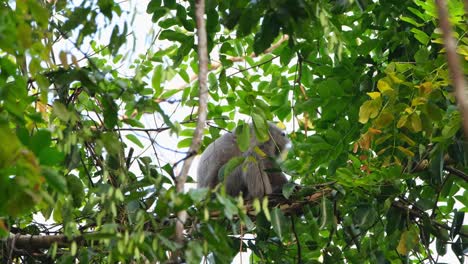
x: 202, y: 111
x: 453, y: 63
x: 32, y: 243
x: 216, y: 65
x: 460, y: 174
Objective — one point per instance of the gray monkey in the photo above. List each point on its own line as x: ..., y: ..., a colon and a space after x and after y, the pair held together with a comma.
x: 257, y: 176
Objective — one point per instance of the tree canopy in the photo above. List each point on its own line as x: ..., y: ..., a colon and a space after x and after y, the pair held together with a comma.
x: 365, y: 88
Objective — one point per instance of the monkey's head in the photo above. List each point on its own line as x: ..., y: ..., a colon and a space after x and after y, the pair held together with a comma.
x: 278, y: 142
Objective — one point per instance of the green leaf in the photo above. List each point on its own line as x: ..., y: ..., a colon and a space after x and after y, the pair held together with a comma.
x: 441, y: 246
x: 61, y: 111
x: 288, y: 189
x: 230, y: 209
x: 110, y: 109
x: 437, y: 165
x: 411, y: 21
x: 260, y: 127
x: 172, y: 35
x: 457, y: 223
x: 223, y: 81
x: 158, y: 13
x: 51, y: 157
x: 111, y: 142
x: 135, y: 140
x: 279, y: 223
x: 133, y: 122
x: 364, y: 216
x: 157, y: 79
x: 198, y: 195
x: 40, y: 140
x: 229, y: 167
x: 328, y: 88
x: 184, y: 143
x: 268, y: 32
x: 152, y: 6
x: 421, y: 36
x: 170, y: 4
x: 55, y: 180
x: 434, y: 112
x: 76, y: 188
x: 243, y: 136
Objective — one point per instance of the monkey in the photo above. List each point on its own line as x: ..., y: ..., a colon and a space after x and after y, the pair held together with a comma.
x: 257, y: 176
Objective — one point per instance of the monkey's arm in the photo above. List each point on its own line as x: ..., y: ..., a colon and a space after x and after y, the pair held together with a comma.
x: 276, y: 176
x: 255, y: 178
x: 214, y: 157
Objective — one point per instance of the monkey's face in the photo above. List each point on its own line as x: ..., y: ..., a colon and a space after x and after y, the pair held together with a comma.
x: 279, y: 141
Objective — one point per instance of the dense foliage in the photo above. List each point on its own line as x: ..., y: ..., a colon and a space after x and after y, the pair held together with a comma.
x: 364, y: 85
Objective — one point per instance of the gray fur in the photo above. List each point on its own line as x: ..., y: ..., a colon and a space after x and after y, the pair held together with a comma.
x: 250, y: 178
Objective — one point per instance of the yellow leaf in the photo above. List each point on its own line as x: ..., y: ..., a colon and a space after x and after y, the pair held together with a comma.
x: 63, y: 59
x: 402, y: 121
x: 375, y: 131
x: 265, y: 208
x: 418, y: 101
x: 406, y: 151
x: 281, y: 125
x: 396, y: 160
x: 409, y: 239
x: 383, y: 150
x: 374, y: 95
x: 384, y: 119
x: 364, y: 112
x: 259, y: 152
x: 394, y: 78
x: 407, y: 139
x: 24, y: 35
x: 369, y: 109
x: 409, y: 110
x: 462, y: 50
x: 415, y: 122
x: 382, y: 139
x: 383, y: 86
x: 425, y: 88
x: 402, y: 248
x: 75, y: 61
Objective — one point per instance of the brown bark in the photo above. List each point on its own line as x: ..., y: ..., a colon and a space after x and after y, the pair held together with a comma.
x: 202, y: 111
x: 454, y: 64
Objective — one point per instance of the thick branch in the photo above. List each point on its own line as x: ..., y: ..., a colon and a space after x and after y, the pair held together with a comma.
x: 202, y: 109
x: 454, y: 63
x: 28, y: 243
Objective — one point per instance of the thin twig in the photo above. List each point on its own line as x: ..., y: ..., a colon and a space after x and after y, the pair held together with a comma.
x: 254, y: 66
x: 460, y: 174
x: 299, y: 254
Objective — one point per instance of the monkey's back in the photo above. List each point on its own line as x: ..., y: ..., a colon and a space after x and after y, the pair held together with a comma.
x: 218, y: 153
